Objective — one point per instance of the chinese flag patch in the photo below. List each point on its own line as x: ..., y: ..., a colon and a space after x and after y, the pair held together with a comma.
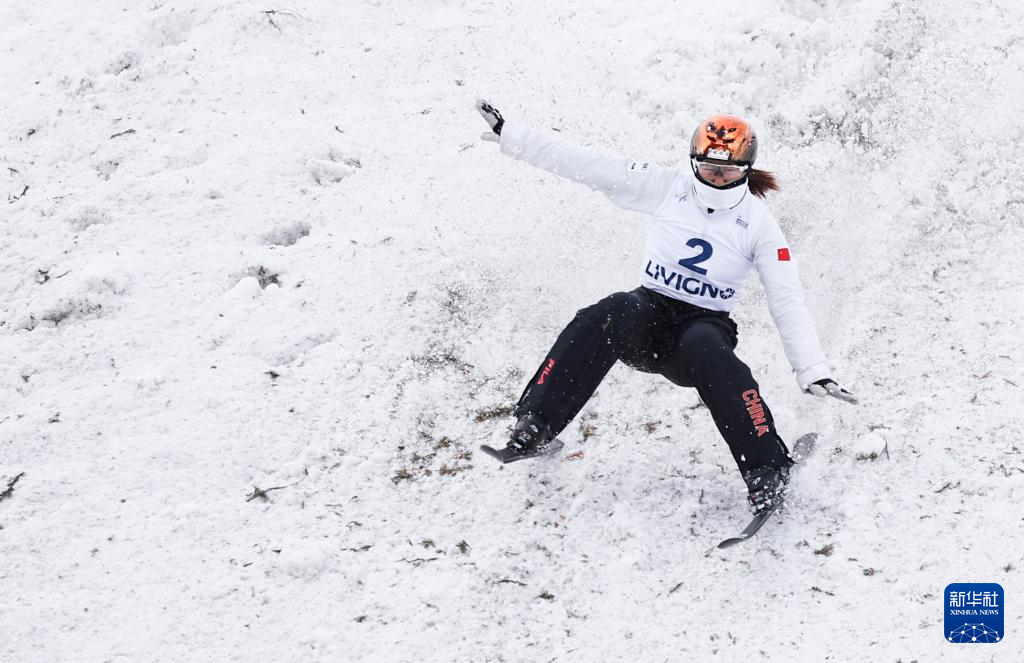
x: 783, y: 254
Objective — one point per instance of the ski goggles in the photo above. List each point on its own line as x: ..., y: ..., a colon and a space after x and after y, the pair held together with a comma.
x: 719, y: 171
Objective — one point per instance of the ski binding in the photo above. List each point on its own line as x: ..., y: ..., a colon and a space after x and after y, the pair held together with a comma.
x: 511, y: 455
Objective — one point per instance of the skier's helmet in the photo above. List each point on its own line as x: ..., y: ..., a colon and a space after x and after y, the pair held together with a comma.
x: 724, y: 138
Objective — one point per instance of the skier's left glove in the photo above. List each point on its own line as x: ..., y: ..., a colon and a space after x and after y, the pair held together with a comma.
x: 829, y: 387
x: 493, y: 118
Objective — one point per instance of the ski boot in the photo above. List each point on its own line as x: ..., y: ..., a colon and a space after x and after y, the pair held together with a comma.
x: 766, y: 487
x: 529, y: 435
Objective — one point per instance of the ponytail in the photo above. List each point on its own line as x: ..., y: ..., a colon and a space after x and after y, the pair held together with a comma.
x: 760, y: 182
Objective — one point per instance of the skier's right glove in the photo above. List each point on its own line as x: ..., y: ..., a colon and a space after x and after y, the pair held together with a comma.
x: 828, y: 387
x: 493, y: 118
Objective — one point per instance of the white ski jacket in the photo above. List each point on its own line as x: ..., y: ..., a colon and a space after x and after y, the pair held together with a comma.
x: 695, y: 255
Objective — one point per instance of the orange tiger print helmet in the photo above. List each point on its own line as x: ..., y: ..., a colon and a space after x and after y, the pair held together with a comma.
x: 724, y: 137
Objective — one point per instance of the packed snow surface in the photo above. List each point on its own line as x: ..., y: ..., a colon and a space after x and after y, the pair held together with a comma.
x: 265, y: 292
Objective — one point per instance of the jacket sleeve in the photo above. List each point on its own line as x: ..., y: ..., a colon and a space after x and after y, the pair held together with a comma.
x: 781, y: 278
x: 640, y: 186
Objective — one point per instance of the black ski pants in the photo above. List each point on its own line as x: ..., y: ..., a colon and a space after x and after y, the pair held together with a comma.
x: 689, y: 345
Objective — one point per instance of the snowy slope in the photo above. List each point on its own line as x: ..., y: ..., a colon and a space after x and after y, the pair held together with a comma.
x: 265, y: 293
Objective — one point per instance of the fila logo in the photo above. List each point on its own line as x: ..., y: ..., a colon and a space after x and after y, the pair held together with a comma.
x: 784, y: 255
x: 547, y: 370
x: 740, y: 221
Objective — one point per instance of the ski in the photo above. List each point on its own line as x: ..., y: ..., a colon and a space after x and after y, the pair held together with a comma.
x: 510, y: 455
x: 801, y: 448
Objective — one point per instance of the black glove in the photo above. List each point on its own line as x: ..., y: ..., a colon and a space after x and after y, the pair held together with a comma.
x: 828, y: 387
x: 493, y: 118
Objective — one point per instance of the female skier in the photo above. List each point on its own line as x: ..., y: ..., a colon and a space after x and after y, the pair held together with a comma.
x: 708, y: 232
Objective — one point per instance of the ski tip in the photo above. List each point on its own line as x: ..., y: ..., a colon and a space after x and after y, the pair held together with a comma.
x: 491, y: 451
x: 803, y: 446
x: 729, y: 543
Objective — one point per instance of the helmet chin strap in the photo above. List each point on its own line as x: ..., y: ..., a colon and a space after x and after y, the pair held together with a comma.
x: 715, y: 198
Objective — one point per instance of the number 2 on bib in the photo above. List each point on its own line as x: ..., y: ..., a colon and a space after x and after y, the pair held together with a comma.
x: 705, y: 252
